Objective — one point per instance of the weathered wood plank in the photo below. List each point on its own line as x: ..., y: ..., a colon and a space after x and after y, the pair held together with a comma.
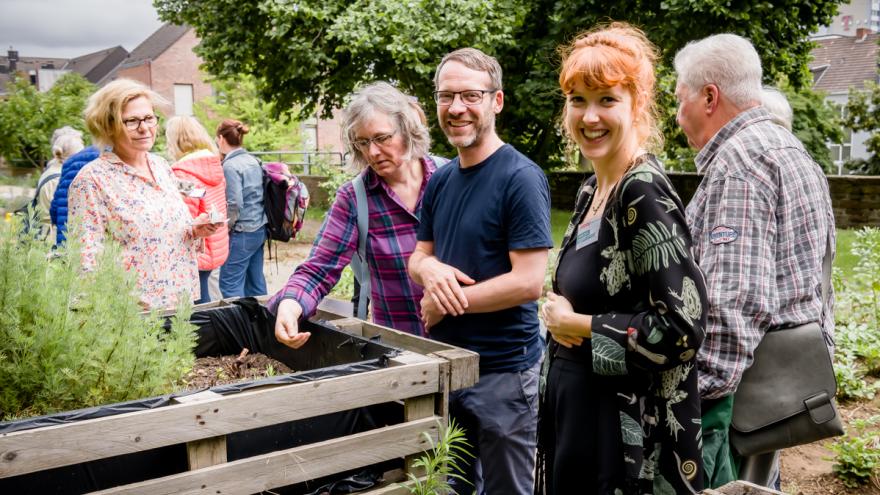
x: 207, y: 452
x: 290, y: 466
x: 417, y: 408
x: 53, y: 446
x: 465, y: 370
x: 740, y: 487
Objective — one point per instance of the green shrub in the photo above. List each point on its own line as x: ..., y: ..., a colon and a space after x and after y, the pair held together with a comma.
x: 440, y: 463
x: 858, y: 453
x: 71, y: 339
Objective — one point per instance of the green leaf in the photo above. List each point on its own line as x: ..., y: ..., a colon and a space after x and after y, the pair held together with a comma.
x: 609, y: 357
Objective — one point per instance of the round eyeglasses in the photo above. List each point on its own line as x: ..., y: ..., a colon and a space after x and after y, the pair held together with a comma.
x: 363, y: 145
x: 134, y: 123
x: 468, y: 97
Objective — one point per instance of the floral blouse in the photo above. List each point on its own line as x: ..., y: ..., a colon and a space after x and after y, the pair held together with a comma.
x: 147, y: 217
x: 652, y: 325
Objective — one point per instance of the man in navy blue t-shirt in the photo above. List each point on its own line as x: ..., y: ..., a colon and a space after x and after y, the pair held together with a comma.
x: 481, y: 256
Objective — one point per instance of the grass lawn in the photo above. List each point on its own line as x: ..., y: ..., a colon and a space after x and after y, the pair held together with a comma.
x: 844, y: 261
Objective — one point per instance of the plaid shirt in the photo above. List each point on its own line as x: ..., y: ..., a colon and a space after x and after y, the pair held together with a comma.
x: 392, y: 229
x: 761, y: 220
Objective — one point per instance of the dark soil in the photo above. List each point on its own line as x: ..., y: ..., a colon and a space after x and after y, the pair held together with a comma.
x: 212, y: 371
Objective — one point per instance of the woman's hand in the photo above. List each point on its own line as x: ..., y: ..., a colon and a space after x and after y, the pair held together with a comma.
x: 565, y: 326
x: 431, y: 313
x: 287, y: 324
x: 201, y: 226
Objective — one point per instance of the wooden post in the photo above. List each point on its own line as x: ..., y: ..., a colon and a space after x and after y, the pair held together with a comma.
x: 209, y: 451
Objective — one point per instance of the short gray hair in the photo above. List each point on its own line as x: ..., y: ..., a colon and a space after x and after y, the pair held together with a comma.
x: 403, y: 110
x: 777, y: 105
x: 473, y: 59
x: 728, y: 61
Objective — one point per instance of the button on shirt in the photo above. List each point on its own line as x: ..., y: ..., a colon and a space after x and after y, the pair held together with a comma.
x: 395, y: 298
x: 761, y: 219
x: 147, y: 217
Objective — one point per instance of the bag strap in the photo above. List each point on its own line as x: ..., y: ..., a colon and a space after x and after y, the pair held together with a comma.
x: 40, y: 186
x: 359, y: 261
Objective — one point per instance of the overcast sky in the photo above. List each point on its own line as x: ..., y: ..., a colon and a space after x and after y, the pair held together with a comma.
x: 70, y: 28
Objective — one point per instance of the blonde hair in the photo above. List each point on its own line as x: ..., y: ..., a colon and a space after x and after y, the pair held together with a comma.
x: 103, y: 114
x: 184, y: 134
x: 66, y: 145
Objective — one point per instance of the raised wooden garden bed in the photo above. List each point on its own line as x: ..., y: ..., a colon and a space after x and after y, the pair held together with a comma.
x: 414, y: 376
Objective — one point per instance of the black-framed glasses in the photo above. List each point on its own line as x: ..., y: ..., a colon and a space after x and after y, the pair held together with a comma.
x: 468, y: 97
x: 134, y: 123
x: 363, y: 145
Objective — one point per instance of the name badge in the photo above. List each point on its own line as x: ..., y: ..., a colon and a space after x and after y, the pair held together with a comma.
x: 588, y: 233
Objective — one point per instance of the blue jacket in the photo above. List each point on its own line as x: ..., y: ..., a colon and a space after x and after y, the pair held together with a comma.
x: 71, y: 167
x: 244, y: 191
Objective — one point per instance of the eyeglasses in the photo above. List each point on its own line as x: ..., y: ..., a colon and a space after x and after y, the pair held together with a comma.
x: 363, y: 145
x: 134, y: 123
x: 469, y: 97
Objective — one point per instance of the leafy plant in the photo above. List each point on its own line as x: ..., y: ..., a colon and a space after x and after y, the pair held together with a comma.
x: 72, y: 339
x: 440, y: 463
x: 313, y: 53
x: 238, y: 98
x: 858, y: 455
x: 28, y: 117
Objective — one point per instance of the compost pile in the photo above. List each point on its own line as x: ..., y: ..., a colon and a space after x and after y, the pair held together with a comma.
x: 209, y: 372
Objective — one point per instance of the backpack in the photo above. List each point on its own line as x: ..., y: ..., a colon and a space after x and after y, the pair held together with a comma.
x: 285, y: 200
x: 28, y: 212
x: 359, y: 267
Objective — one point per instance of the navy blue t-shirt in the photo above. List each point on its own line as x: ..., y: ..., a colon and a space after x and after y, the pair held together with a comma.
x: 475, y: 216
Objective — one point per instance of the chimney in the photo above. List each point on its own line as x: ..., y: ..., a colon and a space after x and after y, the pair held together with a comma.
x: 12, y: 55
x: 862, y: 33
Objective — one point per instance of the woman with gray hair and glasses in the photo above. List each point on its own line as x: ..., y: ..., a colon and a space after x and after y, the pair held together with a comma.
x: 385, y: 133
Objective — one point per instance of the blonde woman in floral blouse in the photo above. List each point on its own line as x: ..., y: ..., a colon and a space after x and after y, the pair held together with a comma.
x: 129, y: 195
x: 621, y: 412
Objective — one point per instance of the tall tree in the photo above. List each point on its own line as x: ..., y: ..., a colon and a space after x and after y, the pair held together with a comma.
x: 863, y: 114
x: 28, y: 117
x: 314, y: 52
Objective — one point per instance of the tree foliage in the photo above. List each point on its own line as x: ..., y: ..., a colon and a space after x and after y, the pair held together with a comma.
x: 816, y: 122
x: 314, y: 52
x: 863, y: 114
x: 237, y: 98
x: 28, y: 117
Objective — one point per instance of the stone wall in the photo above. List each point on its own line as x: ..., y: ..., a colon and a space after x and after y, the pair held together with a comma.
x: 856, y: 199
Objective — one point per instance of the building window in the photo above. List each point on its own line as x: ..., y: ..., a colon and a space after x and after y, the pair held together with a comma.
x: 841, y: 153
x: 183, y: 99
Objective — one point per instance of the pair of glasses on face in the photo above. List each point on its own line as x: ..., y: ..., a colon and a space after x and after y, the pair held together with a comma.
x: 468, y: 97
x: 134, y: 123
x: 363, y: 144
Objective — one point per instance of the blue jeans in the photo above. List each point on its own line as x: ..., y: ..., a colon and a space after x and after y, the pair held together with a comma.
x: 242, y: 274
x: 204, y: 297
x: 500, y: 418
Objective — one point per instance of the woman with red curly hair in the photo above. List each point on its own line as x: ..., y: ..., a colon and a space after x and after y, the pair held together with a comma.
x: 621, y: 411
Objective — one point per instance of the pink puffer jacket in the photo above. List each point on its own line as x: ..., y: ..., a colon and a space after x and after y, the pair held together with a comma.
x: 205, y: 172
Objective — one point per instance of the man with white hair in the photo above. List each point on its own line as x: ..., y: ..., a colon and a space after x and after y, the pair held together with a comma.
x: 761, y: 220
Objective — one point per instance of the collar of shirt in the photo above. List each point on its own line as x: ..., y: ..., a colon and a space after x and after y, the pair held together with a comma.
x: 152, y: 159
x: 707, y: 155
x: 372, y: 180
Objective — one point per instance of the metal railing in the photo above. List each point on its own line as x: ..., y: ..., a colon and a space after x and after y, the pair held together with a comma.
x: 303, y: 160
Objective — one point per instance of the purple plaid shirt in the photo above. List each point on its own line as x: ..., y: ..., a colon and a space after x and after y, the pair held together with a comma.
x: 392, y: 237
x: 761, y: 219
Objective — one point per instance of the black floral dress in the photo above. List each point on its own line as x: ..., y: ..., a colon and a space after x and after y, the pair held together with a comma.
x: 627, y: 420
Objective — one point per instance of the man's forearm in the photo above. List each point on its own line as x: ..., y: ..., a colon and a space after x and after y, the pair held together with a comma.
x: 415, y: 264
x: 502, y: 292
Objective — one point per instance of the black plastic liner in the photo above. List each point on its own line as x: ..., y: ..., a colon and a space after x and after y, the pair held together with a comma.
x: 225, y: 331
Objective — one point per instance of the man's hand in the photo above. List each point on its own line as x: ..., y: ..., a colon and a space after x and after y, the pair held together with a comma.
x: 431, y: 314
x: 287, y: 324
x: 442, y: 284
